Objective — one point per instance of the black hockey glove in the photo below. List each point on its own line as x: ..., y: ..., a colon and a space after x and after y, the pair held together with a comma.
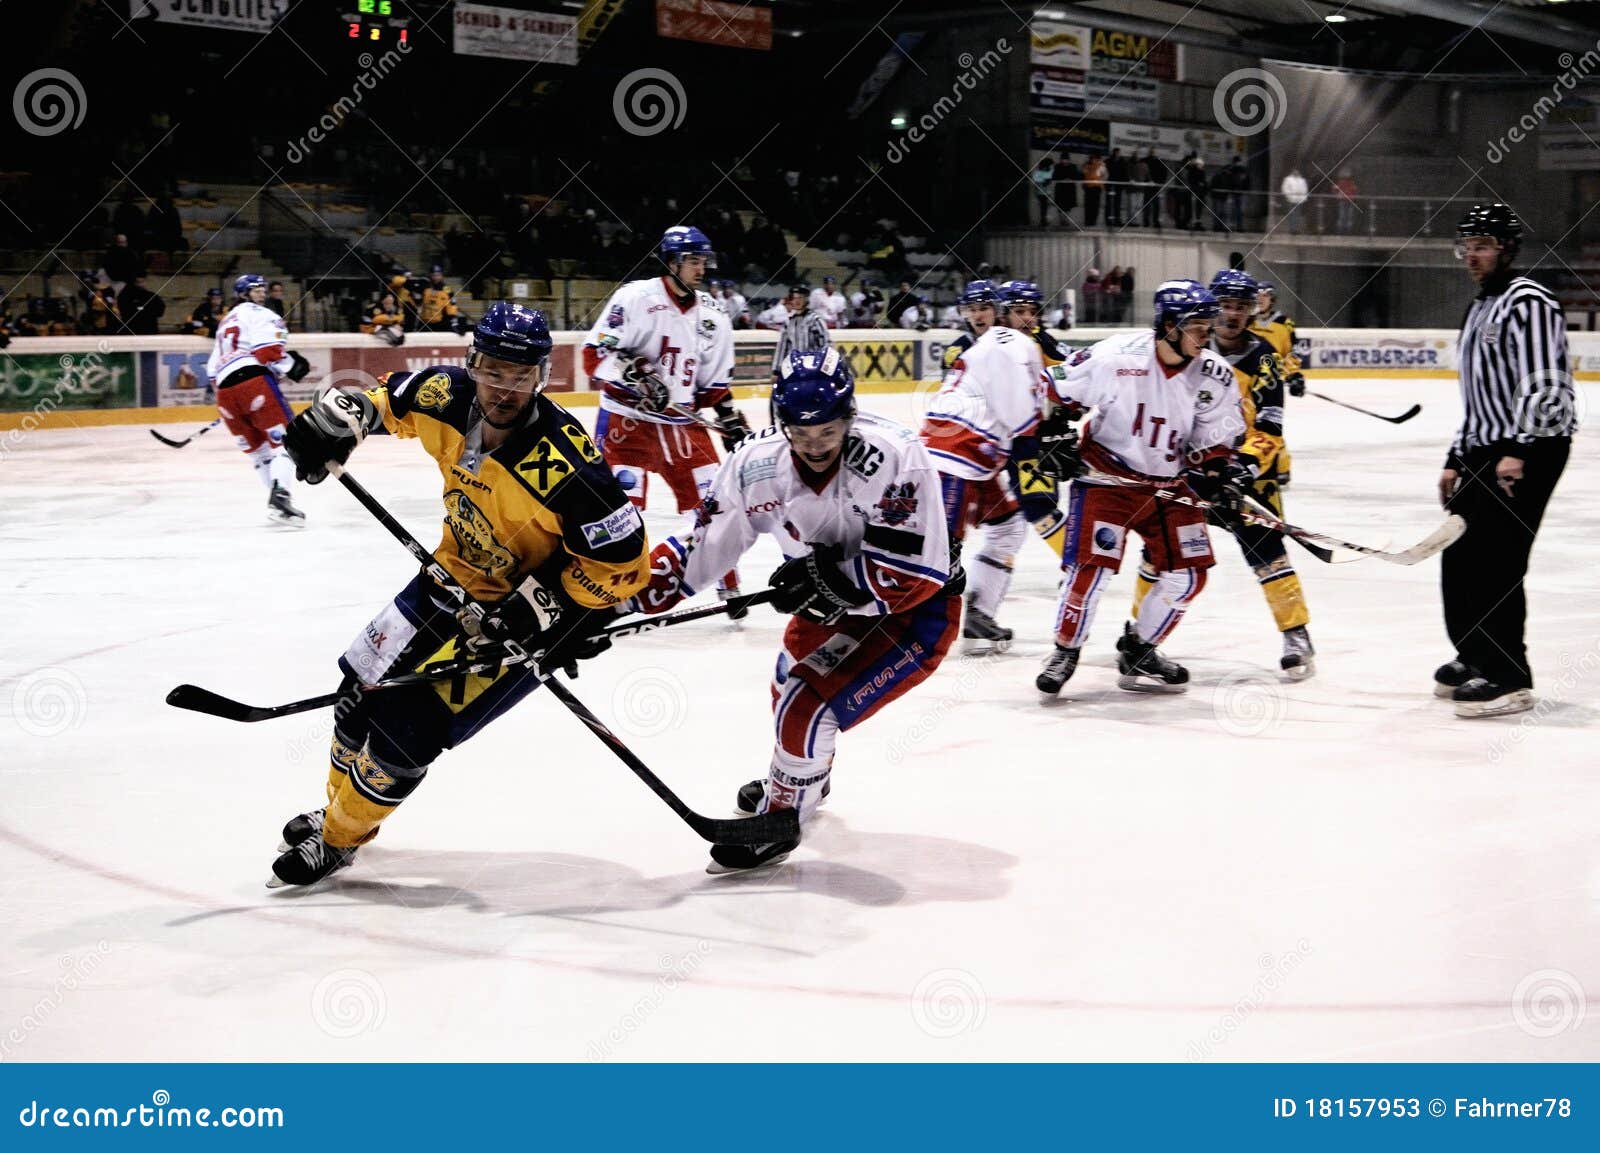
x: 327, y: 433
x: 536, y: 618
x: 1296, y: 382
x: 300, y: 369
x: 1223, y: 482
x: 650, y: 391
x: 1059, y: 455
x: 812, y: 587
x: 735, y: 426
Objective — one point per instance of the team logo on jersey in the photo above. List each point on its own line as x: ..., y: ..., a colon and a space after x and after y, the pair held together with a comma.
x: 474, y: 536
x: 580, y: 441
x: 544, y: 467
x: 1078, y: 357
x: 1192, y: 540
x: 1107, y: 539
x: 899, y: 503
x: 1031, y: 480
x: 613, y: 527
x: 1204, y: 396
x: 434, y: 393
x: 616, y: 317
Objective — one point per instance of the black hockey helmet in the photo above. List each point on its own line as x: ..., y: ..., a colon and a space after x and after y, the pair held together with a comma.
x: 1496, y: 221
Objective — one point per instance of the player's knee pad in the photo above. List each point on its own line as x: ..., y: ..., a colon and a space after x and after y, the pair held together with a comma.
x: 407, y: 730
x: 799, y: 716
x: 1001, y: 541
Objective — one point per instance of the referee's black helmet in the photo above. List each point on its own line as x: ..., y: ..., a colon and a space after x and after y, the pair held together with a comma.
x: 1496, y: 221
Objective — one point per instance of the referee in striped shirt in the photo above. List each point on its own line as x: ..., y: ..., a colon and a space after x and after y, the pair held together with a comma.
x: 1516, y: 431
x: 803, y: 331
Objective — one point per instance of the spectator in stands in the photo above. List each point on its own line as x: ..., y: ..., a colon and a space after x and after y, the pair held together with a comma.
x: 829, y: 303
x: 864, y: 305
x: 1118, y: 175
x: 769, y: 252
x: 205, y: 317
x: 99, y: 316
x: 1068, y: 175
x: 130, y: 221
x: 733, y: 302
x: 1094, y: 183
x: 384, y: 319
x: 904, y: 300
x: 1239, y: 185
x: 122, y: 262
x: 1345, y: 186
x: 165, y: 227
x: 140, y: 308
x: 1093, y: 284
x: 1151, y: 175
x: 1198, y: 184
x: 1111, y: 302
x: 1295, y: 191
x: 438, y: 311
x: 773, y: 316
x: 275, y: 300
x: 1043, y: 177
x: 1127, y: 292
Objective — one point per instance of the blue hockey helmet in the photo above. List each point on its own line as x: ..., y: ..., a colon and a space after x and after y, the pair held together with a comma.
x: 245, y: 283
x: 514, y: 333
x: 685, y: 240
x: 1178, y: 301
x: 1266, y: 286
x: 979, y: 292
x: 1020, y: 292
x: 1234, y: 284
x: 814, y: 388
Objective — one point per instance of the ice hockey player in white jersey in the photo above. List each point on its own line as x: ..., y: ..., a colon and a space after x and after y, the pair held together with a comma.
x: 661, y: 351
x: 993, y: 393
x: 1166, y: 414
x: 248, y: 355
x: 853, y: 502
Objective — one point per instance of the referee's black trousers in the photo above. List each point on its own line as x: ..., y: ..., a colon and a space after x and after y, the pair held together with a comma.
x: 1481, y: 575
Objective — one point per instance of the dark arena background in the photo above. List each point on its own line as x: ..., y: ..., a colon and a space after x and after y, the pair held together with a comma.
x: 1014, y: 259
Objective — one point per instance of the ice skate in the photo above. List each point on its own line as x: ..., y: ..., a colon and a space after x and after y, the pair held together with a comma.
x: 1483, y: 698
x: 309, y: 862
x: 740, y: 858
x: 981, y: 634
x: 299, y: 828
x: 281, y: 510
x: 749, y: 798
x: 1297, y: 662
x: 1144, y: 670
x: 1450, y: 676
x: 1057, y: 671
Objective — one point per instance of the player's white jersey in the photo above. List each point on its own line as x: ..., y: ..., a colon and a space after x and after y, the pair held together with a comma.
x: 250, y: 334
x: 1147, y: 418
x: 882, y: 508
x: 689, y: 347
x: 831, y: 306
x: 992, y: 394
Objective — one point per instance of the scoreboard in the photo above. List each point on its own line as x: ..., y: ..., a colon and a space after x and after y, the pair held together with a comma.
x: 375, y: 22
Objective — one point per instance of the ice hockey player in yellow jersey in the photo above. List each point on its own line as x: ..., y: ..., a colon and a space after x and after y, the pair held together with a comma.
x: 1261, y: 387
x: 536, y: 528
x: 1277, y: 329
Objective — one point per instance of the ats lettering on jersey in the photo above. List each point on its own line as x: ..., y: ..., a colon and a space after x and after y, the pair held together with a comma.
x: 544, y: 467
x: 434, y: 393
x: 475, y: 540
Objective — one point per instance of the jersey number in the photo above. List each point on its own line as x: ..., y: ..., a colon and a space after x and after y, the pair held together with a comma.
x: 231, y: 335
x: 668, y: 359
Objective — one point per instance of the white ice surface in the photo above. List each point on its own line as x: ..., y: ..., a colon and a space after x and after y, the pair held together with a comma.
x: 1334, y: 869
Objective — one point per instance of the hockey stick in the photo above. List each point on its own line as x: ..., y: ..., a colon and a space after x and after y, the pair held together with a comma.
x: 199, y: 700
x: 1436, y: 541
x: 778, y: 825
x: 170, y: 443
x: 1325, y: 555
x: 1401, y: 419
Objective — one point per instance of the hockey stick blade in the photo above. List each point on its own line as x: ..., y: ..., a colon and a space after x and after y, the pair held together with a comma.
x: 1401, y: 419
x: 199, y: 700
x: 168, y: 441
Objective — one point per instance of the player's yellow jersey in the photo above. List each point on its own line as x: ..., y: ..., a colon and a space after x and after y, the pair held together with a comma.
x: 1278, y: 331
x: 543, y: 502
x: 437, y: 303
x: 1261, y: 393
